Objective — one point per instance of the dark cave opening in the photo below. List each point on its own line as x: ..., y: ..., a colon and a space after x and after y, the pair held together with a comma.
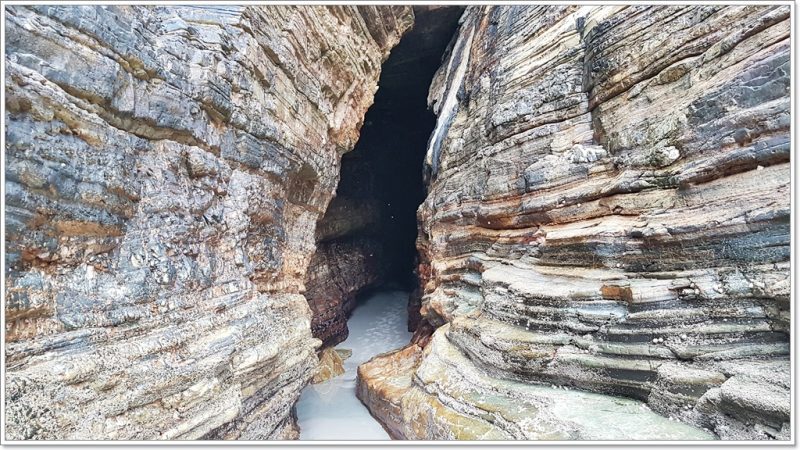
x: 366, y: 240
x: 362, y: 279
x: 394, y: 139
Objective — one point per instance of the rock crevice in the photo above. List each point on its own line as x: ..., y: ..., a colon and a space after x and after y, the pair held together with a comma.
x: 603, y: 246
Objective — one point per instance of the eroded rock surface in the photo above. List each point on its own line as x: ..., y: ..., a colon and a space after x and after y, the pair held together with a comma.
x: 331, y: 365
x: 338, y: 273
x: 608, y: 210
x: 440, y: 392
x: 166, y: 169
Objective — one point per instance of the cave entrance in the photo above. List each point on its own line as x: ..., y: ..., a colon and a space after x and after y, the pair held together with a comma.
x: 394, y: 139
x: 363, y: 271
x: 367, y: 238
x: 382, y: 177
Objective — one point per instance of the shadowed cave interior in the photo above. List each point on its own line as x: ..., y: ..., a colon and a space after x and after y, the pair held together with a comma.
x: 374, y: 212
x: 386, y: 166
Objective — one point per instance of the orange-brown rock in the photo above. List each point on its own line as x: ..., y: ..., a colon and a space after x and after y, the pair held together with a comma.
x: 330, y: 366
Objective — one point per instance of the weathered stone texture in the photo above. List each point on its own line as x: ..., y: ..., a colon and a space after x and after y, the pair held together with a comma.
x: 608, y: 210
x: 166, y: 168
x: 331, y: 365
x: 338, y: 272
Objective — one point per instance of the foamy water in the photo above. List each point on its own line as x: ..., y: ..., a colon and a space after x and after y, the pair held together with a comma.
x: 330, y: 410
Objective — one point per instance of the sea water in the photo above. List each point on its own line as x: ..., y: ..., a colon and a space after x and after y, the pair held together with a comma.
x: 330, y: 410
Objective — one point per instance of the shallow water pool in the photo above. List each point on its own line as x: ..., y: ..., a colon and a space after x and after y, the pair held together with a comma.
x: 330, y: 410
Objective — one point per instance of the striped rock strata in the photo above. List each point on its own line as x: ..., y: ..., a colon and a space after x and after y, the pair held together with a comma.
x: 608, y: 211
x: 166, y: 168
x: 345, y: 264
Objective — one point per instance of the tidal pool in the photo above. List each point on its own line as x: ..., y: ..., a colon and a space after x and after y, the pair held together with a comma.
x: 330, y: 410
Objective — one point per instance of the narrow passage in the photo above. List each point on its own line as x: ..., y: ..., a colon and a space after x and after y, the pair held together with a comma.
x: 380, y: 189
x: 330, y: 410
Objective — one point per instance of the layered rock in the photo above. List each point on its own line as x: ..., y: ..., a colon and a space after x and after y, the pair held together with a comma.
x: 608, y: 210
x: 337, y: 274
x: 166, y: 169
x: 439, y: 392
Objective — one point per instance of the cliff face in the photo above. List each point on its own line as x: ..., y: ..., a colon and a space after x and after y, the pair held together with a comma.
x: 608, y: 210
x: 166, y: 168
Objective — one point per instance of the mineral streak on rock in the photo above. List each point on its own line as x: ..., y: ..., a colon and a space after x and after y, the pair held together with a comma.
x: 166, y: 169
x: 608, y: 210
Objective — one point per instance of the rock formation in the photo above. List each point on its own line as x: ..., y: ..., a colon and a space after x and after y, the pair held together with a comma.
x: 603, y: 249
x: 331, y: 364
x: 166, y: 169
x: 608, y: 211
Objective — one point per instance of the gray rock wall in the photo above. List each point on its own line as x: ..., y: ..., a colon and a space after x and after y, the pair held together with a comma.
x: 608, y: 210
x: 166, y: 168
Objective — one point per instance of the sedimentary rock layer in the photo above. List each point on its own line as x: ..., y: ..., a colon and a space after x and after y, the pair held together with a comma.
x: 608, y: 210
x: 166, y: 168
x: 338, y: 272
x: 440, y: 392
